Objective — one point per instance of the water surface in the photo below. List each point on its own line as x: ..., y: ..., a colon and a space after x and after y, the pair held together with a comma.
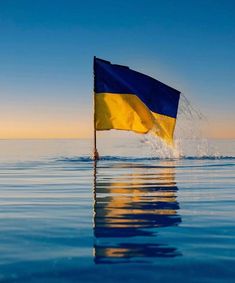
x: 133, y: 217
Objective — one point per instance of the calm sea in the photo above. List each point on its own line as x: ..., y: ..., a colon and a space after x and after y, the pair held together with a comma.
x: 135, y: 217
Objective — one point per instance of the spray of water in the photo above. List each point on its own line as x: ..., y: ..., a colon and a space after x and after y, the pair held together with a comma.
x: 189, y: 140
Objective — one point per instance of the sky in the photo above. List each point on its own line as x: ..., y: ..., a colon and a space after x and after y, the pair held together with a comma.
x: 47, y: 49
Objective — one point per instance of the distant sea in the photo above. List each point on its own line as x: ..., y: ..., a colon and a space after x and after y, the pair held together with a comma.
x: 142, y: 214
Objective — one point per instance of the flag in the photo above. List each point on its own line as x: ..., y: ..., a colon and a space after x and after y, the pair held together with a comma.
x: 132, y: 101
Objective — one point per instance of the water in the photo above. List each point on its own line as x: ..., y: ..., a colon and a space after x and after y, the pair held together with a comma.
x: 136, y: 217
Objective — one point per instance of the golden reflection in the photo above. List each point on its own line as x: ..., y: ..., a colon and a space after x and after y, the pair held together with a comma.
x: 130, y: 204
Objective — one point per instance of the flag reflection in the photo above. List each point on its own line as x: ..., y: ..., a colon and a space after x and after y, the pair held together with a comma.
x: 130, y: 207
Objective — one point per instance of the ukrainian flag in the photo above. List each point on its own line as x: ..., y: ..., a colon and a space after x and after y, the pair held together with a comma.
x: 128, y: 100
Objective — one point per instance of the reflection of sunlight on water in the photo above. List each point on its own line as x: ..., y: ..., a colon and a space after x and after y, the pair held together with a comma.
x: 129, y: 209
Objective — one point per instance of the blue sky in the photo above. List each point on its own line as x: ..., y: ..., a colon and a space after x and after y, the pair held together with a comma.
x: 47, y: 48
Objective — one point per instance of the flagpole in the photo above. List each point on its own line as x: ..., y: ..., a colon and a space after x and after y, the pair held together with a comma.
x: 95, y: 152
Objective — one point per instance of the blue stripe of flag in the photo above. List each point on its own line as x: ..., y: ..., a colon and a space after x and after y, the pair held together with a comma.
x: 157, y: 96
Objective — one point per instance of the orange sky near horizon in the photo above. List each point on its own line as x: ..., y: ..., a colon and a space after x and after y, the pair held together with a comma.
x: 44, y: 127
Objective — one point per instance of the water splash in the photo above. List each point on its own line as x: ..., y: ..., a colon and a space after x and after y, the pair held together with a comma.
x: 187, y: 111
x: 189, y: 139
x: 158, y: 148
